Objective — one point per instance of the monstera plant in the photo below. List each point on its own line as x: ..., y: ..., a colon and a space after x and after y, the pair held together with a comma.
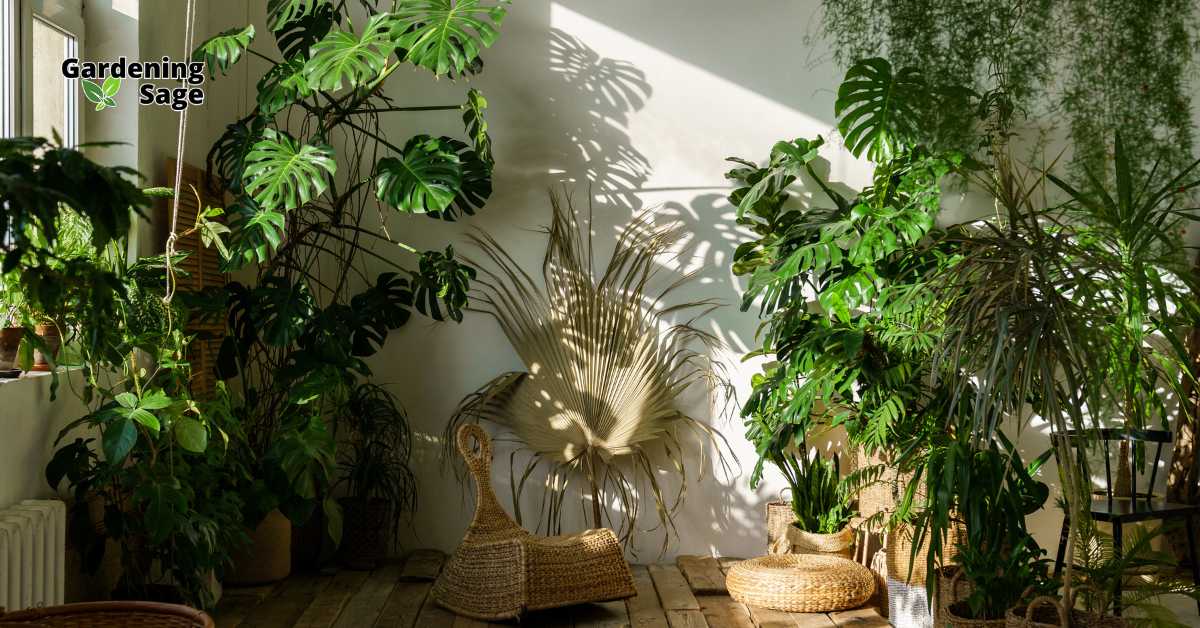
x: 605, y: 369
x: 306, y: 166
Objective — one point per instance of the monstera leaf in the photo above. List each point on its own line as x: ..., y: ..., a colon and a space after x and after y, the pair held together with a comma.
x: 280, y: 12
x: 342, y: 57
x: 227, y: 158
x: 224, y: 49
x: 281, y: 173
x: 294, y: 37
x: 255, y: 233
x: 426, y: 177
x: 477, y: 126
x: 282, y: 86
x: 878, y: 110
x: 476, y: 185
x: 444, y: 279
x: 446, y: 35
x: 282, y: 310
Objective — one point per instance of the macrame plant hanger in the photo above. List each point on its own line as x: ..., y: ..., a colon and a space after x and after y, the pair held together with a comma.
x: 180, y: 141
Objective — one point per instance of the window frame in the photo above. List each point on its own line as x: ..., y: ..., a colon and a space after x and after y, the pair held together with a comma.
x: 16, y: 17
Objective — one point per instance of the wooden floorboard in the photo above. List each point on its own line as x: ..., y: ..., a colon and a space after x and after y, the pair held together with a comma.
x: 288, y: 602
x: 645, y: 610
x: 365, y: 606
x: 324, y: 610
x: 703, y: 574
x: 673, y: 589
x: 397, y: 595
x: 721, y: 611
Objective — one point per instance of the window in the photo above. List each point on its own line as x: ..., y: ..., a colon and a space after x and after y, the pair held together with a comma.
x: 55, y: 98
x: 36, y: 36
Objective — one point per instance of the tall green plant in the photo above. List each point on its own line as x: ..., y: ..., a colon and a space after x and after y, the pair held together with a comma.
x: 820, y: 496
x: 307, y: 166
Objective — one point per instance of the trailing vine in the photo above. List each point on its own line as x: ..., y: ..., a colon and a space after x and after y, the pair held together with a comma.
x: 1108, y: 67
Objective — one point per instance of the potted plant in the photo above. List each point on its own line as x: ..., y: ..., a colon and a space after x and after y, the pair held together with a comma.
x: 998, y: 564
x: 817, y: 519
x: 373, y: 469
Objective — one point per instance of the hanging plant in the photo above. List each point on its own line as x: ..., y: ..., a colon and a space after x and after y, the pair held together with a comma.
x: 605, y: 370
x: 1108, y: 67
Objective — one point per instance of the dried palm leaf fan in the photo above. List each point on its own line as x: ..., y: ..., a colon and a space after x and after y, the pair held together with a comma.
x: 604, y: 372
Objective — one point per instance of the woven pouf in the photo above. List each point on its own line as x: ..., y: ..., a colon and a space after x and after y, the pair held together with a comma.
x: 800, y: 583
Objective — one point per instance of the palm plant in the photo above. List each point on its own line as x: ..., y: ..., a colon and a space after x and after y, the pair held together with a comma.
x: 1072, y: 311
x: 605, y: 370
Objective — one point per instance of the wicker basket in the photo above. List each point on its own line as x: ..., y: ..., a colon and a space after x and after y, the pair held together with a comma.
x: 1049, y: 612
x: 110, y: 615
x: 949, y: 591
x: 499, y: 571
x: 800, y: 583
x: 785, y: 538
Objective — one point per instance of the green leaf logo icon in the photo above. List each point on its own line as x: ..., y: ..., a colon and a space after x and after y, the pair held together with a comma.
x: 101, y: 95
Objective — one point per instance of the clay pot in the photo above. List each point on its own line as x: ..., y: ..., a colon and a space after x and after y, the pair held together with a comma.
x: 268, y: 558
x: 10, y: 340
x: 364, y: 533
x: 49, y: 335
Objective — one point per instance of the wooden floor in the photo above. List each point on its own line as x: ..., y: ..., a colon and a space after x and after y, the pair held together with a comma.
x: 688, y: 594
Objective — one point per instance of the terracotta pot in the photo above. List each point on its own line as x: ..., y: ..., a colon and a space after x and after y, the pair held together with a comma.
x: 10, y: 340
x: 268, y: 558
x: 364, y: 533
x: 49, y: 334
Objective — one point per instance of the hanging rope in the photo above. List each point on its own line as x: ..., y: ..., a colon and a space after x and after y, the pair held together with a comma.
x: 180, y: 142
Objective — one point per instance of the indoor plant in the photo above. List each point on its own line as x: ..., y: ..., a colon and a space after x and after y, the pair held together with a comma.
x: 819, y: 513
x: 373, y: 468
x: 299, y: 332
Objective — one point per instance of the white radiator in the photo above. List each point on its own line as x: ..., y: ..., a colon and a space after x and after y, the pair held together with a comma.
x: 33, y: 544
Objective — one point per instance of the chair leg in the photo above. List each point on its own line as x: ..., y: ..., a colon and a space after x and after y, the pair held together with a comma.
x: 1062, y: 546
x: 1191, y: 538
x: 1117, y: 553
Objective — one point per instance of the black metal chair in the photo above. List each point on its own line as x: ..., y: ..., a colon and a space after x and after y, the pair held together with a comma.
x: 1138, y: 506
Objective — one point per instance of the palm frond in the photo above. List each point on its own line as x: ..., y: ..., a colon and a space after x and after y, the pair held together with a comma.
x: 605, y: 369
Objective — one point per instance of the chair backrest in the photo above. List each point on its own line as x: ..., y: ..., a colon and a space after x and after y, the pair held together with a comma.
x: 1080, y: 439
x: 491, y: 521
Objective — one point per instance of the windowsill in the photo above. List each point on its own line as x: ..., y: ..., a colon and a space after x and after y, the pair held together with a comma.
x: 26, y: 376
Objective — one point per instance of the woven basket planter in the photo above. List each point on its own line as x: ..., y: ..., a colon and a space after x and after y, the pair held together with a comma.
x: 785, y: 538
x: 949, y: 591
x: 800, y: 583
x: 1049, y: 612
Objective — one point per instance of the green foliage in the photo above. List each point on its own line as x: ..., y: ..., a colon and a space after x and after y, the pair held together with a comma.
x: 282, y: 12
x: 424, y: 178
x: 878, y: 110
x: 282, y: 173
x: 446, y: 36
x: 1098, y: 570
x: 344, y: 58
x: 477, y: 126
x: 221, y: 51
x: 374, y: 465
x: 820, y: 497
x: 1108, y: 68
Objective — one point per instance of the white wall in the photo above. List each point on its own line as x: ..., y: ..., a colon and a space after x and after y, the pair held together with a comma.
x: 642, y: 102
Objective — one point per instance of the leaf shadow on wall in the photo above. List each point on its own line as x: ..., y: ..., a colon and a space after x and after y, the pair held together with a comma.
x: 602, y: 93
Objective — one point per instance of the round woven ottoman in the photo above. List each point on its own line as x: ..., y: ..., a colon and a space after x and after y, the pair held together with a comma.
x: 800, y: 583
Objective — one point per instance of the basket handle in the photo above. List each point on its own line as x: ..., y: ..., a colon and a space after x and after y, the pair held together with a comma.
x: 479, y: 462
x: 1046, y: 599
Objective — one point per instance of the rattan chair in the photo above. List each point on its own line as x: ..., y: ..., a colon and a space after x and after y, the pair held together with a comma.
x: 110, y: 615
x: 500, y: 570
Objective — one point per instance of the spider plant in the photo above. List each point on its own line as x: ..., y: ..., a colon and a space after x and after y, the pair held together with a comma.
x: 605, y: 368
